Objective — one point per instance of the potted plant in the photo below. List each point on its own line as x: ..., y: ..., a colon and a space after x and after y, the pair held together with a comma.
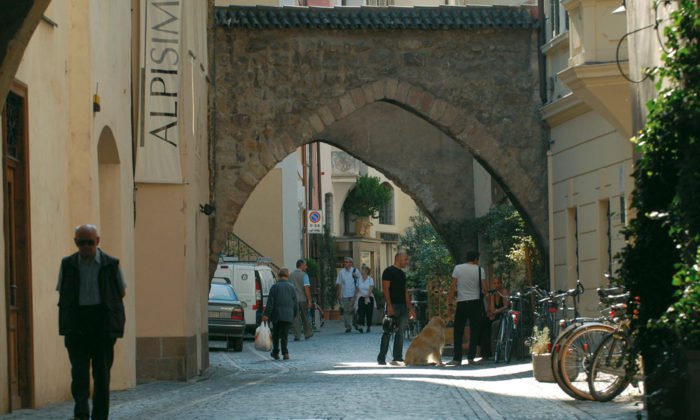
x: 541, y: 355
x: 365, y: 200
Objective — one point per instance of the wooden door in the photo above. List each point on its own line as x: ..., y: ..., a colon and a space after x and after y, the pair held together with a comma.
x: 17, y: 250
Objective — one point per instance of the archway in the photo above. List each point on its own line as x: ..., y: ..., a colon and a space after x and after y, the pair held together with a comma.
x: 110, y: 191
x: 279, y: 86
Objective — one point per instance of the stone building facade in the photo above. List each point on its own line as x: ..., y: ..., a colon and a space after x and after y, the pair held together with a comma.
x: 302, y: 85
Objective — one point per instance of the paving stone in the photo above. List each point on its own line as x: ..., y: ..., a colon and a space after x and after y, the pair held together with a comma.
x: 335, y: 376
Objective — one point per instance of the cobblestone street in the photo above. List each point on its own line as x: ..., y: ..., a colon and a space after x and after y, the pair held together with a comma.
x: 334, y: 376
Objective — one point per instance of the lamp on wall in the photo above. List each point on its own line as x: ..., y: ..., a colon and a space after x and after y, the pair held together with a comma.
x: 207, y: 209
x: 620, y: 9
x: 96, y: 100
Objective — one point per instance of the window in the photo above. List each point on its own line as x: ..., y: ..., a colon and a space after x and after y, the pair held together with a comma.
x: 386, y: 214
x: 605, y: 235
x: 572, y: 244
x: 558, y: 17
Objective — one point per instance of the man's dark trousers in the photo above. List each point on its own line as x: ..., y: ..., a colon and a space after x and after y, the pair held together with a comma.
x: 467, y: 310
x: 401, y: 314
x: 90, y: 345
x: 280, y: 332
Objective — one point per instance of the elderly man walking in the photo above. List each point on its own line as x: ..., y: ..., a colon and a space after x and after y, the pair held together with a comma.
x: 347, y: 290
x: 281, y: 309
x: 91, y: 318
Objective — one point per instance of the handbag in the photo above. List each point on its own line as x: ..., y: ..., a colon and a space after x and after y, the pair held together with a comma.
x: 484, y: 308
x: 263, y: 337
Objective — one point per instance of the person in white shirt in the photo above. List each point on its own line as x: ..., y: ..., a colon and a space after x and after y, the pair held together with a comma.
x: 365, y: 298
x: 347, y: 290
x: 468, y: 283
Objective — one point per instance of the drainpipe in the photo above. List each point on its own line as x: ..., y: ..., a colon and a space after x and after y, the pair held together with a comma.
x: 541, y: 40
x: 305, y: 185
x: 550, y: 210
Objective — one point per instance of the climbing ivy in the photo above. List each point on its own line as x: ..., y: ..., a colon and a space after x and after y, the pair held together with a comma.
x: 659, y: 264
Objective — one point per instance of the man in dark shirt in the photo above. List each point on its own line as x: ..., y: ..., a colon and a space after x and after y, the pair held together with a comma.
x: 91, y: 317
x: 398, y: 305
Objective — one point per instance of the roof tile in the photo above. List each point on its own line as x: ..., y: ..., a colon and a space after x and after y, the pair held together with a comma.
x: 369, y: 17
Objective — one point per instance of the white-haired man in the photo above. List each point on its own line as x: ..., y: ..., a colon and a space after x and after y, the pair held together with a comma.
x: 91, y: 318
x: 347, y: 290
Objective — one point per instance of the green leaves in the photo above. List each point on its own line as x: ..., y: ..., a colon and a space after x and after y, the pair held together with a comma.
x: 660, y: 262
x: 367, y: 197
x: 429, y: 255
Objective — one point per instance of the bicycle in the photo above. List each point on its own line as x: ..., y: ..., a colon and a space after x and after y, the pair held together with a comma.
x: 510, y: 331
x: 312, y: 312
x: 575, y: 347
x: 571, y: 338
x: 546, y: 313
x: 611, y: 371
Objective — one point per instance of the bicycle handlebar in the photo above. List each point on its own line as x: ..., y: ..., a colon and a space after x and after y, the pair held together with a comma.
x: 610, y: 290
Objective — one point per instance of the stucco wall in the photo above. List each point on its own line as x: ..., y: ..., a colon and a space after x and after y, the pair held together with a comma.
x: 591, y: 163
x: 60, y: 68
x: 261, y: 221
x: 172, y: 234
x: 110, y: 70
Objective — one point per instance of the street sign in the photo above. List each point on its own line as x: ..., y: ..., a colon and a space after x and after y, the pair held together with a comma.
x: 314, y: 222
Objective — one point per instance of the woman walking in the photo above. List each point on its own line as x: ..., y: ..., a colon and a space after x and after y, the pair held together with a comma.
x: 365, y: 298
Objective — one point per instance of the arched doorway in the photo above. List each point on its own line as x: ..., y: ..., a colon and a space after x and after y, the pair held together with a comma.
x: 110, y: 192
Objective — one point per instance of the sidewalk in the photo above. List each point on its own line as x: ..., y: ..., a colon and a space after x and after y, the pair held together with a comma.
x: 334, y: 375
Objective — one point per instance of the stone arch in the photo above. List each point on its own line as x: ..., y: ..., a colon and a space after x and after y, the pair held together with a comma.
x: 279, y: 88
x: 470, y: 139
x: 109, y: 178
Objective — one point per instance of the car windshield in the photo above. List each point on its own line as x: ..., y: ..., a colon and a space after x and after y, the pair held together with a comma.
x: 222, y: 292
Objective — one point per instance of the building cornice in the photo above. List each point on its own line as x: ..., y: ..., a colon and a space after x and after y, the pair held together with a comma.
x: 560, y: 41
x: 426, y: 18
x: 604, y: 90
x: 563, y: 110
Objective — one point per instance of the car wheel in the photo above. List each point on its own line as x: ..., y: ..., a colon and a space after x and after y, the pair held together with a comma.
x: 238, y: 344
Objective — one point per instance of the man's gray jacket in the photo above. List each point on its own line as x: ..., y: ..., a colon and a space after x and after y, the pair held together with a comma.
x: 282, y: 302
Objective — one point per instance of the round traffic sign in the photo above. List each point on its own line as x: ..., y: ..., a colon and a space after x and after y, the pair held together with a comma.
x: 315, y: 216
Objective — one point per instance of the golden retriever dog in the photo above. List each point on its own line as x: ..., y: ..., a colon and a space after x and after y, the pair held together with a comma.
x: 426, y: 348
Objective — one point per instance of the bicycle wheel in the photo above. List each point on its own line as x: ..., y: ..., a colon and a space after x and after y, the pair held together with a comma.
x: 576, y: 357
x: 561, y: 338
x: 556, y: 349
x: 500, y: 342
x: 509, y: 338
x: 609, y: 375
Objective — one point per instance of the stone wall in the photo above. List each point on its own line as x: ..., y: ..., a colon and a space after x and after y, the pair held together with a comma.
x: 276, y: 89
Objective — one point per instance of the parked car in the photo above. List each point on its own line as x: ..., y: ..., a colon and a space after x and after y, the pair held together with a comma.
x: 252, y: 283
x: 226, y: 316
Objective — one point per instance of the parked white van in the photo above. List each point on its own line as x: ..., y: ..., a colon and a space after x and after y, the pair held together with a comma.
x: 251, y: 281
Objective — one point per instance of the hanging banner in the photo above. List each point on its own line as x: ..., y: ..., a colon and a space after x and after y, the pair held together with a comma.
x: 158, y: 146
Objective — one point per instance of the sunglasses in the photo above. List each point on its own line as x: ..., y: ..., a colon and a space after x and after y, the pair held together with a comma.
x: 83, y: 242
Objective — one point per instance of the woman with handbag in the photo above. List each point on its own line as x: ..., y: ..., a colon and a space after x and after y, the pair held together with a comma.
x: 281, y: 310
x: 365, y: 298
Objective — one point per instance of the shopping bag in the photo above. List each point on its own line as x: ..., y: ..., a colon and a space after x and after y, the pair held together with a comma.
x: 263, y: 337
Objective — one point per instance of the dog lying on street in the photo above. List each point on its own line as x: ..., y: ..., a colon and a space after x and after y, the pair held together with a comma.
x: 426, y: 348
